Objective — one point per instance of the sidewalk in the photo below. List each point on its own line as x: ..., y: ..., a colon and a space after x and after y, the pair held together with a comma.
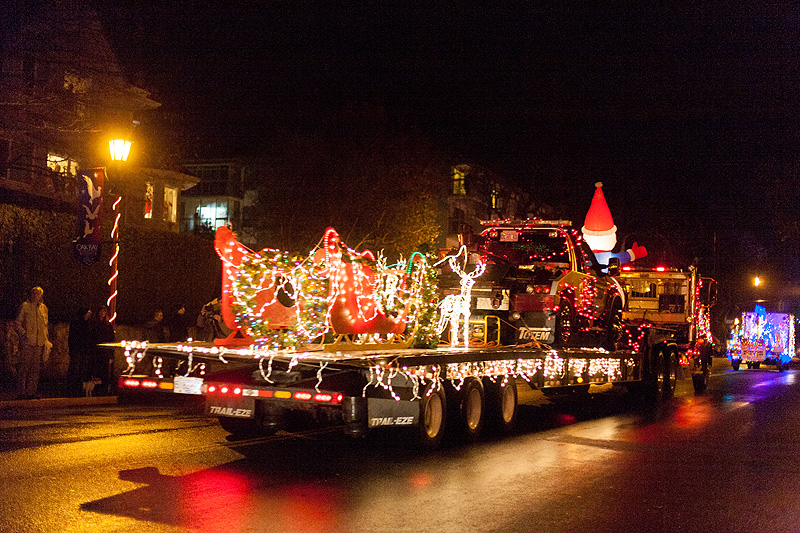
x: 50, y: 398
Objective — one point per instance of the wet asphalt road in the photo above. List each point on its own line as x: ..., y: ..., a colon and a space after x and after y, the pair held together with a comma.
x: 726, y: 461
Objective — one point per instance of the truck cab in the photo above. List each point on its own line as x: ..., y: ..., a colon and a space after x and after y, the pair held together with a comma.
x: 542, y: 283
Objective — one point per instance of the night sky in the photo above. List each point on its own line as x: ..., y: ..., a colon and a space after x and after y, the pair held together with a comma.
x: 686, y: 111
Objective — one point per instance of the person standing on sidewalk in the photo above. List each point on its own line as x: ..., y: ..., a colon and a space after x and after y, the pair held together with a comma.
x: 31, y: 325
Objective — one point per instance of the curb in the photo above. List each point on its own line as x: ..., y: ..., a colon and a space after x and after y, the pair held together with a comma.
x: 49, y: 403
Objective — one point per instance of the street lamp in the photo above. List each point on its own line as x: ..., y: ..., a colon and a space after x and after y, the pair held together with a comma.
x: 757, y: 281
x: 119, y: 150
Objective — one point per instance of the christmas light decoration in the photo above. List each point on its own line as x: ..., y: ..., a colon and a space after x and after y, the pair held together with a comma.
x: 455, y: 309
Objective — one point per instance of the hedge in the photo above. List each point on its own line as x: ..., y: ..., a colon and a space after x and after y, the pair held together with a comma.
x: 156, y: 269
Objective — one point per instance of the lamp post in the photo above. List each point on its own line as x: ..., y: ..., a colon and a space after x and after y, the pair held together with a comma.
x: 119, y: 150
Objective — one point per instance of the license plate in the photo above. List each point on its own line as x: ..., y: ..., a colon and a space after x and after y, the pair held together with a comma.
x: 187, y: 385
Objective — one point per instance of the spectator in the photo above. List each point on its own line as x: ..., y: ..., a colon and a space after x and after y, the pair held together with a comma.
x: 178, y: 325
x: 81, y: 344
x: 31, y: 325
x: 101, y: 359
x: 154, y: 328
x: 210, y: 323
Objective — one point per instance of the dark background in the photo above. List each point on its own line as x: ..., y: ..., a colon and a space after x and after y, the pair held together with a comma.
x: 687, y: 111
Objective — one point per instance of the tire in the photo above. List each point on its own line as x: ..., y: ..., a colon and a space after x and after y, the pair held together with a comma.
x: 473, y: 409
x: 779, y: 365
x: 666, y: 362
x: 614, y: 326
x: 749, y: 365
x: 501, y: 404
x: 700, y: 383
x: 735, y: 364
x: 756, y: 365
x: 432, y: 418
x: 565, y: 324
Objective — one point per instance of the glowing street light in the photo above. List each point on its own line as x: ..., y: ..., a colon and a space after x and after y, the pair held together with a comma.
x: 119, y: 148
x: 757, y: 281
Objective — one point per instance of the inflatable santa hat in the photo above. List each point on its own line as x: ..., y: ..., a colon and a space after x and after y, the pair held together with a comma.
x: 600, y: 233
x: 598, y: 227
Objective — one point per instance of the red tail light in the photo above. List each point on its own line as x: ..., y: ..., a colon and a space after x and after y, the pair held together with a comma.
x: 149, y: 384
x: 339, y: 398
x: 212, y: 388
x: 131, y: 383
x: 223, y: 389
x: 302, y: 396
x: 237, y: 390
x: 324, y: 398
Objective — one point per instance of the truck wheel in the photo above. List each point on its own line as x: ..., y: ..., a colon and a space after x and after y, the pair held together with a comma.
x: 432, y: 418
x: 779, y: 365
x: 666, y: 363
x: 700, y: 382
x: 565, y: 324
x: 757, y: 365
x: 472, y: 409
x: 614, y: 326
x: 501, y: 403
x: 735, y: 364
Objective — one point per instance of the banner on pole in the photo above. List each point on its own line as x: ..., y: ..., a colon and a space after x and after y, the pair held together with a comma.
x: 89, y: 230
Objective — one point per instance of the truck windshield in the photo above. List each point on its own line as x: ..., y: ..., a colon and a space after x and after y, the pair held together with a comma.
x: 527, y: 247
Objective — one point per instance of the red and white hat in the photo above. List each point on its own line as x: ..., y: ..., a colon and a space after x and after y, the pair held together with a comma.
x: 598, y: 220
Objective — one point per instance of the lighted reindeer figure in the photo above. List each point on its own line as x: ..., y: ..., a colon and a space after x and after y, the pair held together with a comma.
x: 456, y: 308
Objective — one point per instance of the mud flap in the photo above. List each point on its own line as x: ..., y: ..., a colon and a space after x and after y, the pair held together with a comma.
x: 231, y: 407
x: 388, y: 412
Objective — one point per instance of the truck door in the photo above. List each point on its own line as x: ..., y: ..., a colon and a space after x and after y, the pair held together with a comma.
x: 595, y: 285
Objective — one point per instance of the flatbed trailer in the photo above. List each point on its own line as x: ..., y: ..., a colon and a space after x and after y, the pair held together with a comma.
x: 468, y: 390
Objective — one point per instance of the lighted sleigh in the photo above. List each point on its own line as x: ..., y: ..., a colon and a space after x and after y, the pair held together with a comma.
x: 273, y: 299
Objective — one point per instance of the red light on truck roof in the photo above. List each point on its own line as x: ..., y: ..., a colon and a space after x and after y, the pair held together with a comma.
x: 212, y: 388
x: 223, y: 389
x: 237, y: 390
x: 661, y: 269
x: 627, y: 268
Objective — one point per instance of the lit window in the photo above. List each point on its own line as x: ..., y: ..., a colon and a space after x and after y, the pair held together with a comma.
x: 62, y: 165
x: 459, y: 182
x: 148, y: 200
x: 170, y: 204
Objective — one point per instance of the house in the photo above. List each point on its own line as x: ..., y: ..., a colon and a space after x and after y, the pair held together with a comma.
x: 62, y: 97
x: 476, y: 194
x: 223, y: 196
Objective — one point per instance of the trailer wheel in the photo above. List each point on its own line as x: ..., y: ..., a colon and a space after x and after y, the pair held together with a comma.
x: 780, y: 365
x: 432, y: 417
x: 472, y: 409
x: 735, y: 364
x: 501, y: 403
x: 757, y: 365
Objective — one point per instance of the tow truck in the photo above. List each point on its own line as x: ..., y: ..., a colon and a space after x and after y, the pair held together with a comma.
x: 675, y: 306
x: 342, y: 338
